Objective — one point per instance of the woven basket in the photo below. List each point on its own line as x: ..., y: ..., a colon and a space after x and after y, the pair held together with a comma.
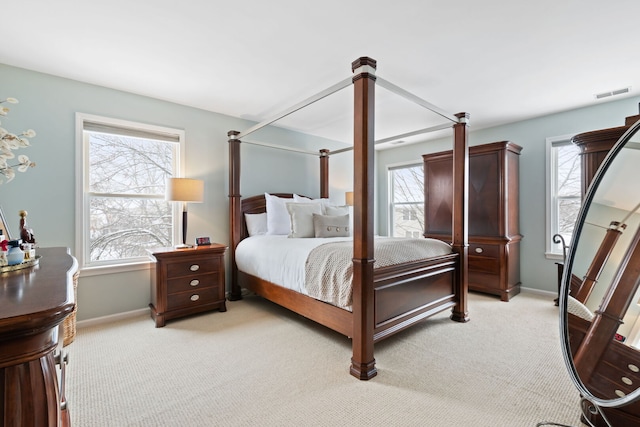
x: 69, y: 324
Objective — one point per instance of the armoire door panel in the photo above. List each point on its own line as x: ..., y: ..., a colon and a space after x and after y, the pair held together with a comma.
x: 439, y: 196
x: 484, y: 184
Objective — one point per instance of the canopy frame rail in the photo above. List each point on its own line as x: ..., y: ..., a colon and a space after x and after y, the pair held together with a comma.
x: 416, y: 99
x: 341, y: 85
x: 435, y: 128
x: 415, y: 132
x: 317, y: 97
x: 280, y: 147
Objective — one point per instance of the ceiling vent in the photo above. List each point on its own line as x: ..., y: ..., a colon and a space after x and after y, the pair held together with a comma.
x: 400, y: 141
x: 612, y: 93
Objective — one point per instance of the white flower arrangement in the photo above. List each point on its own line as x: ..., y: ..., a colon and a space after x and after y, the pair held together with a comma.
x: 10, y: 142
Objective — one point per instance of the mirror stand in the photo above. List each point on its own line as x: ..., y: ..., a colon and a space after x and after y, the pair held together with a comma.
x: 590, y: 411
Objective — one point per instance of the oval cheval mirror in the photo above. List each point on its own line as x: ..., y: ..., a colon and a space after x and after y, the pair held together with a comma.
x: 600, y: 302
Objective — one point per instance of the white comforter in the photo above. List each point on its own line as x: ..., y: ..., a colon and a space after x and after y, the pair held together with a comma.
x: 278, y: 259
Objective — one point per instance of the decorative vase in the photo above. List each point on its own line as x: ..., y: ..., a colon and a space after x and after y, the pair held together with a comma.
x: 15, y: 255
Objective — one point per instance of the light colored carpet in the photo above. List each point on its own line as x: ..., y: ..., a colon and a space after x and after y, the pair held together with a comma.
x: 260, y: 365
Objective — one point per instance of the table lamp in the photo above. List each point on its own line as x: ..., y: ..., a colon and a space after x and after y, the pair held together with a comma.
x: 184, y: 190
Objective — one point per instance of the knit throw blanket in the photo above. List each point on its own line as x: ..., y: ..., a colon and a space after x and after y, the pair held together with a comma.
x: 329, y: 267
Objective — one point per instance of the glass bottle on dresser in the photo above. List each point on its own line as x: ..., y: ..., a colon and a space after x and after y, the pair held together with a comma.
x: 14, y: 254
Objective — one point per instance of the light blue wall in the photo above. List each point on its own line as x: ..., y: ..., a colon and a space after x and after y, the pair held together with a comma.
x: 537, y: 271
x: 48, y: 105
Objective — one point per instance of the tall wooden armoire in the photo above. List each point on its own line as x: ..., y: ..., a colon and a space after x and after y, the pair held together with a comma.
x: 494, y: 229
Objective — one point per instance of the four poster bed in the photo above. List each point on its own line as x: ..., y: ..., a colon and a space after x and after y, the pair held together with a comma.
x: 385, y: 297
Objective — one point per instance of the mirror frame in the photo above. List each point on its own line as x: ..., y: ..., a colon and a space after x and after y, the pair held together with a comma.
x: 566, y: 278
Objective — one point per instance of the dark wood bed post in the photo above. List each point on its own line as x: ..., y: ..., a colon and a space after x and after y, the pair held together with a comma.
x: 362, y: 361
x: 460, y: 237
x: 235, y: 214
x: 324, y: 173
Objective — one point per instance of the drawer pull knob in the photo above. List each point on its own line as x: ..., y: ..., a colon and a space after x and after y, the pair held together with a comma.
x: 195, y: 297
x: 194, y: 267
x: 479, y: 250
x: 194, y: 282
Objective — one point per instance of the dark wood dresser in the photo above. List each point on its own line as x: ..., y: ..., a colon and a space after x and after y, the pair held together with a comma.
x: 187, y: 281
x: 33, y: 304
x: 494, y: 228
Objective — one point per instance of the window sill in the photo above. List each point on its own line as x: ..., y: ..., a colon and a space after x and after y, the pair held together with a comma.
x: 114, y: 269
x: 554, y: 256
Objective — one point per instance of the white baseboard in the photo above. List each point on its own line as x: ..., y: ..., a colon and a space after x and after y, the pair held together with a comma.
x: 125, y: 315
x: 111, y: 318
x: 550, y: 294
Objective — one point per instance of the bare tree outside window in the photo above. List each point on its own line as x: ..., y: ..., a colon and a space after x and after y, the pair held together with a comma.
x: 407, y: 201
x: 127, y: 209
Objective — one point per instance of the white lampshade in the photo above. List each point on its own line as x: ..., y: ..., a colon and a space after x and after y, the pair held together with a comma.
x: 185, y: 190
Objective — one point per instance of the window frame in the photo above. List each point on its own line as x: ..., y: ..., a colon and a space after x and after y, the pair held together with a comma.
x: 390, y: 187
x: 551, y: 249
x: 83, y: 199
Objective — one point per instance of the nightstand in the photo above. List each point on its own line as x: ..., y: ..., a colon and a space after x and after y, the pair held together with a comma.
x: 187, y: 281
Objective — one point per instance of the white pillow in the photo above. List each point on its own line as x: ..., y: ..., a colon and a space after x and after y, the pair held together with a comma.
x: 300, y: 199
x: 322, y: 202
x: 302, y: 218
x: 278, y: 220
x: 256, y: 223
x: 336, y: 210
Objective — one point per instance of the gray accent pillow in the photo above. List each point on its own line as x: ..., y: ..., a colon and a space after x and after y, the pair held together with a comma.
x: 331, y: 225
x: 301, y: 219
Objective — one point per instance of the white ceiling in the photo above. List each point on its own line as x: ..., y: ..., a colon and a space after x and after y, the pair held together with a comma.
x: 499, y: 60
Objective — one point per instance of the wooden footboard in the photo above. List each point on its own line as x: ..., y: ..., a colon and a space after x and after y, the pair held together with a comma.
x: 408, y: 293
x: 404, y: 295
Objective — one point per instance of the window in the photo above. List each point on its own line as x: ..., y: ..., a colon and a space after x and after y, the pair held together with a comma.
x: 563, y: 191
x: 121, y: 208
x: 406, y: 195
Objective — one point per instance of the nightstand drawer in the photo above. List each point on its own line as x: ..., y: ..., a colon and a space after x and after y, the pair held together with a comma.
x: 191, y: 283
x: 192, y: 299
x: 200, y: 265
